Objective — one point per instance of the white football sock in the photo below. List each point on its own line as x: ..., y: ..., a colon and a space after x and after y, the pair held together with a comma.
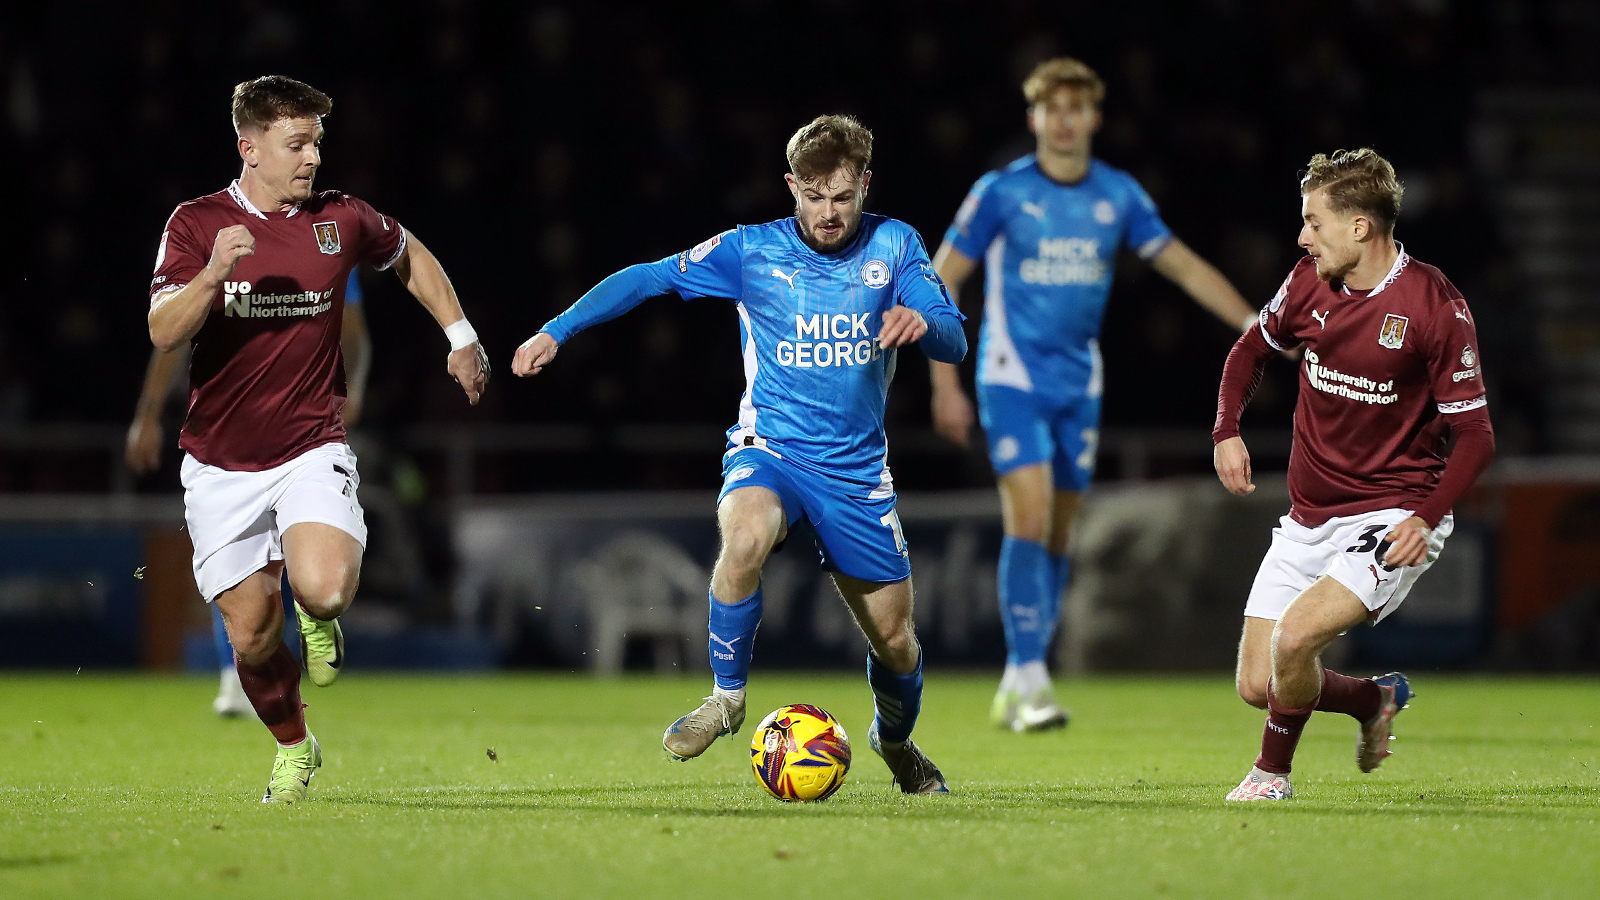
x: 1032, y: 677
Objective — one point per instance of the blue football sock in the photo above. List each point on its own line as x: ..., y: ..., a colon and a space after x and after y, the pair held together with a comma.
x: 896, y: 698
x: 1025, y: 579
x: 733, y: 636
x: 1060, y: 576
x: 219, y: 637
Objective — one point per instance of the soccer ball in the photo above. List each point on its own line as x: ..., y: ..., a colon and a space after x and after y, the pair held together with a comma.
x: 800, y: 753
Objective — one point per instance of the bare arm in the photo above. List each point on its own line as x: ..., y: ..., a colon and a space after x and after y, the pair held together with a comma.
x: 1200, y: 280
x: 355, y: 343
x: 176, y: 316
x: 952, y: 411
x: 422, y: 275
x: 143, y: 448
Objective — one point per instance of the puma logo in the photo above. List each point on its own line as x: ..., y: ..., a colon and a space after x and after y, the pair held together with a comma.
x: 1322, y: 318
x: 1463, y: 317
x: 789, y: 278
x: 1033, y: 209
x: 1375, y: 576
x: 728, y: 644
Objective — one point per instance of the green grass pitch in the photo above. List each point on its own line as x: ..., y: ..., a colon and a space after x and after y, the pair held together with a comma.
x: 128, y: 787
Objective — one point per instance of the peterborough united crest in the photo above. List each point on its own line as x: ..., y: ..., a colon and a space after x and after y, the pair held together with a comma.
x: 875, y: 274
x: 1394, y: 331
x: 327, y: 237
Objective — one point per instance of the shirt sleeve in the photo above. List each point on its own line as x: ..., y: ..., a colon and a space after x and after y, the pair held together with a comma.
x: 1275, y: 321
x: 381, y: 240
x: 1453, y: 363
x: 978, y: 220
x: 1147, y: 235
x: 180, y: 257
x: 918, y: 286
x: 710, y: 269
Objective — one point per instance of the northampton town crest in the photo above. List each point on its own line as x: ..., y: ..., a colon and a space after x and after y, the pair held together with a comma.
x: 1394, y: 331
x: 327, y: 236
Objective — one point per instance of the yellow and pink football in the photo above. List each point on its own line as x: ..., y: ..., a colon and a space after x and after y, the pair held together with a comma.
x: 800, y: 753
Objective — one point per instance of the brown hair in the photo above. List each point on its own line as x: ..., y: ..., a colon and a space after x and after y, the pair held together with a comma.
x: 826, y: 143
x: 1358, y: 180
x: 259, y: 102
x: 1063, y: 71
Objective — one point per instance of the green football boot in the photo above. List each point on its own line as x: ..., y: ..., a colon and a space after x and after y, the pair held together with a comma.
x: 292, y: 771
x: 321, y: 648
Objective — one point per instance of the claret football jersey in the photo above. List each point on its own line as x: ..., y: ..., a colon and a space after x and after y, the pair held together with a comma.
x: 266, y: 378
x: 1383, y: 369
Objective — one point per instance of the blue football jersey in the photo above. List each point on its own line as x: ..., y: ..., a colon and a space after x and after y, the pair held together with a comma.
x: 815, y: 379
x: 1049, y: 251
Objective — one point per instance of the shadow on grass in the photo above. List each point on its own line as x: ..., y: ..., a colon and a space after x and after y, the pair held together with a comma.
x: 38, y: 861
x: 1552, y: 802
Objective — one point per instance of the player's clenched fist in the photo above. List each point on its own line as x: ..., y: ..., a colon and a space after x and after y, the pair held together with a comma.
x: 469, y: 366
x: 901, y: 325
x: 1233, y: 466
x: 233, y: 244
x: 534, y: 354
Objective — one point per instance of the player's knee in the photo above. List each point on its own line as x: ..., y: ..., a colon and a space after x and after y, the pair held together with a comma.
x: 1290, y: 640
x: 327, y: 595
x: 1252, y: 691
x: 744, y: 549
x: 255, y: 647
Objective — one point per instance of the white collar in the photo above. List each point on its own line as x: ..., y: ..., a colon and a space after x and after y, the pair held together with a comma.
x: 245, y: 204
x: 1394, y: 272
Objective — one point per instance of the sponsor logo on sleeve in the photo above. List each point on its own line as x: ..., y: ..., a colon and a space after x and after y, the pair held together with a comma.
x: 1469, y: 359
x: 1393, y: 333
x: 1104, y: 212
x: 704, y: 248
x: 683, y: 261
x: 327, y: 237
x: 875, y: 274
x: 1278, y: 298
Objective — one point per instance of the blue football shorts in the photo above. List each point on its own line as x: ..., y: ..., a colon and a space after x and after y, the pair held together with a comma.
x: 1025, y: 429
x: 857, y: 535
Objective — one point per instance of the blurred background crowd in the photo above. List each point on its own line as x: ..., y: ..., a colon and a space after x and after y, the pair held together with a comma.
x: 537, y: 147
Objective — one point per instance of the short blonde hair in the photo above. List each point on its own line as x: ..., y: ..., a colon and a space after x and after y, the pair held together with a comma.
x: 826, y: 143
x: 1063, y: 71
x: 1358, y: 180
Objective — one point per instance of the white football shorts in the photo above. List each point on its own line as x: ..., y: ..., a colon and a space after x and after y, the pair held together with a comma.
x: 237, y: 519
x: 1345, y: 549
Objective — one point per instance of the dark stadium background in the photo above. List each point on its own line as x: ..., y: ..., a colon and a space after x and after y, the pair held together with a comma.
x: 538, y: 147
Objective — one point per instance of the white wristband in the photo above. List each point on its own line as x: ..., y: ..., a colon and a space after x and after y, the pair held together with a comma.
x: 460, y: 335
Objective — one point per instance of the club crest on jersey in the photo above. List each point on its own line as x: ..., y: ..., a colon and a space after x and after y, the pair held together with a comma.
x: 327, y: 236
x: 875, y: 274
x: 1394, y: 331
x: 1468, y: 358
x: 1104, y: 212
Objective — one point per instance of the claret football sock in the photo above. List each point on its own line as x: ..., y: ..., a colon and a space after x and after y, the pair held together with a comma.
x: 1025, y: 605
x: 1281, y: 734
x: 733, y: 635
x: 274, y: 690
x: 896, y: 698
x: 1358, y: 697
